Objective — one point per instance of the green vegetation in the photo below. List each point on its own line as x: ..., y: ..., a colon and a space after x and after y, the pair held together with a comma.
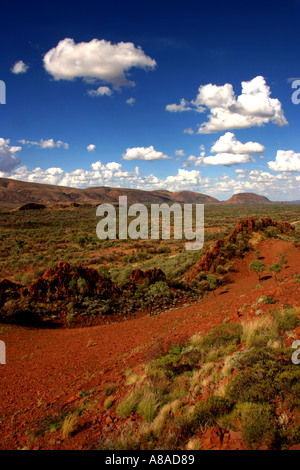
x: 276, y: 268
x: 257, y: 266
x: 32, y: 241
x: 263, y: 388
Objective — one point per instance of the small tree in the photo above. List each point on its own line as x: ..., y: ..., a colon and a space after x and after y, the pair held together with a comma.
x: 203, y: 287
x: 212, y: 282
x: 104, y: 271
x: 272, y: 231
x: 257, y: 266
x: 220, y: 269
x: 156, y: 292
x: 276, y: 268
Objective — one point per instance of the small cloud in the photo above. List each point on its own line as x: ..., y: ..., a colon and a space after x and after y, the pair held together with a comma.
x: 179, y: 153
x: 19, y: 67
x: 241, y: 173
x: 101, y: 91
x: 179, y: 108
x: 91, y: 148
x: 45, y: 144
x: 144, y: 153
x: 188, y: 131
x: 50, y: 144
x: 130, y: 101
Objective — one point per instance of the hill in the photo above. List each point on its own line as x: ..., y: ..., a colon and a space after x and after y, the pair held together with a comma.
x: 14, y: 192
x: 247, y: 198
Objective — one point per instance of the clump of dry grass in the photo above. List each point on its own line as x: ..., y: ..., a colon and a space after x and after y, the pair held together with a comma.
x: 193, y: 444
x: 69, y: 425
x: 260, y: 331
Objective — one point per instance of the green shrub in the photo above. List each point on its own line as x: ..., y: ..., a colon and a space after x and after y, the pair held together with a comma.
x: 257, y: 424
x: 220, y: 269
x: 81, y: 284
x: 269, y: 300
x: 212, y: 281
x: 288, y: 383
x: 170, y: 363
x: 207, y: 412
x: 264, y: 376
x: 272, y: 231
x: 257, y: 266
x: 104, y: 271
x: 159, y: 289
x: 287, y: 319
x: 221, y: 340
x: 276, y: 268
x: 293, y: 435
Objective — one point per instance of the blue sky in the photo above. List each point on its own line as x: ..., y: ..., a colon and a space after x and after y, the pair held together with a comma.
x: 152, y: 95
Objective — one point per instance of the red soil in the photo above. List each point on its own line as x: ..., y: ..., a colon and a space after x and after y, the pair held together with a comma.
x: 49, y: 370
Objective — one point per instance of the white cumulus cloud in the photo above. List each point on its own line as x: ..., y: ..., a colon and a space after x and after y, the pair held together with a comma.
x: 228, y: 143
x: 8, y: 159
x: 253, y: 107
x: 91, y: 148
x: 98, y: 59
x: 19, y: 67
x: 144, y: 153
x: 227, y: 159
x: 229, y: 151
x: 286, y: 160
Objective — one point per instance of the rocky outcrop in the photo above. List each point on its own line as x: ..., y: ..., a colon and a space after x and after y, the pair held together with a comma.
x: 61, y: 281
x: 153, y: 275
x: 224, y: 250
x: 253, y: 224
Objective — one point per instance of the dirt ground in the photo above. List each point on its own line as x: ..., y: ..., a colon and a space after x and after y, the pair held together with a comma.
x: 50, y: 370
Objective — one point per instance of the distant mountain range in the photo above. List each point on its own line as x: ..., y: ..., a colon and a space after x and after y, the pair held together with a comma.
x: 13, y: 193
